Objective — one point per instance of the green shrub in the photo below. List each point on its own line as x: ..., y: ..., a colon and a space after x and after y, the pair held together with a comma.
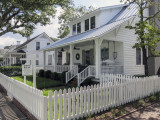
x: 152, y: 98
x: 41, y: 73
x: 141, y: 102
x: 11, y: 70
x: 47, y: 74
x: 54, y: 76
x: 63, y: 77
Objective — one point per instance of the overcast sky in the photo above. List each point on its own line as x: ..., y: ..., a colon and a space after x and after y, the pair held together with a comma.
x: 52, y: 29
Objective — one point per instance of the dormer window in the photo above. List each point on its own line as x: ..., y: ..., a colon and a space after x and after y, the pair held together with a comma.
x: 86, y: 24
x: 74, y: 30
x: 78, y: 28
x: 93, y: 23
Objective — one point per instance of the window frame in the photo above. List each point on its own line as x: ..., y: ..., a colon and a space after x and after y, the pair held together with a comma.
x: 37, y: 45
x: 94, y: 22
x: 79, y: 28
x: 138, y: 60
x: 49, y: 62
x: 48, y: 43
x: 103, y: 50
x: 74, y: 32
x: 85, y: 24
x: 37, y: 62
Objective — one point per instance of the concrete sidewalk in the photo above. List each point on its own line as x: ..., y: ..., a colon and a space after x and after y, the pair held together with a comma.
x: 8, y: 111
x: 148, y: 113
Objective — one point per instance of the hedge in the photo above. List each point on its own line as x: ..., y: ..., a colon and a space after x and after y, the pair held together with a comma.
x: 11, y: 70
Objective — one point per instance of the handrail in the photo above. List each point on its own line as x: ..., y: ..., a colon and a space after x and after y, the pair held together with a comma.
x: 71, y: 73
x: 87, y: 72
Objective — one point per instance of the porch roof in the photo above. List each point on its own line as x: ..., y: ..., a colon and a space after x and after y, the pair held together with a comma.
x: 124, y: 15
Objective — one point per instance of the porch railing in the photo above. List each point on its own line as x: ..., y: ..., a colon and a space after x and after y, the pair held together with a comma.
x: 49, y: 67
x: 71, y: 73
x: 112, y: 69
x: 58, y: 68
x: 87, y: 72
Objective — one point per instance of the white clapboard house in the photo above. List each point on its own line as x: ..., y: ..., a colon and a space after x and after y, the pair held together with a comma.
x: 27, y: 49
x: 99, y: 43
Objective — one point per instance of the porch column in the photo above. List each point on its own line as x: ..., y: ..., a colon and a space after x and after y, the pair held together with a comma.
x: 98, y: 56
x: 55, y: 59
x: 71, y: 56
x: 10, y: 61
x: 44, y: 59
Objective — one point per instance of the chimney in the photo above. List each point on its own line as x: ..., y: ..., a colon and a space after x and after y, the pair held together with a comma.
x: 18, y: 42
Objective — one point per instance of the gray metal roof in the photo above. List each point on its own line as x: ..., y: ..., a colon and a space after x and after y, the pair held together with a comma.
x: 124, y: 15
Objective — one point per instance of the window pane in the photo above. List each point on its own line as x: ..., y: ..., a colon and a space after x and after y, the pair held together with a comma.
x: 78, y: 27
x: 37, y: 62
x: 93, y: 23
x: 48, y: 43
x: 138, y: 56
x: 104, y: 54
x: 49, y: 59
x: 37, y: 45
x: 86, y: 24
x: 74, y: 30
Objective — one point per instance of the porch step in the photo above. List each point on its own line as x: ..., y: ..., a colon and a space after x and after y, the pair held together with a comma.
x: 73, y: 82
x: 95, y: 80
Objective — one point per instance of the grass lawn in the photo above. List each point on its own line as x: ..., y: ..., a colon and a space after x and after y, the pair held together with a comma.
x: 41, y: 82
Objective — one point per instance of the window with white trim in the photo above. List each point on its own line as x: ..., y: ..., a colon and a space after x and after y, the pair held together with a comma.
x: 37, y: 45
x: 49, y: 59
x: 78, y: 27
x: 93, y: 22
x: 138, y: 56
x: 86, y: 24
x: 74, y: 30
x: 37, y: 62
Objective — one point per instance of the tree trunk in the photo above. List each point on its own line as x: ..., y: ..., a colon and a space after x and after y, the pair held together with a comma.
x: 145, y: 60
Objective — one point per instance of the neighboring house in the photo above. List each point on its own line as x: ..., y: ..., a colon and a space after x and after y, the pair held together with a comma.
x: 2, y: 52
x: 101, y: 41
x: 154, y: 62
x: 12, y: 57
x: 30, y: 47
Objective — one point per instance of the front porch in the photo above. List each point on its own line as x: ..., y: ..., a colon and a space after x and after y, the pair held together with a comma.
x: 88, y: 58
x: 13, y: 59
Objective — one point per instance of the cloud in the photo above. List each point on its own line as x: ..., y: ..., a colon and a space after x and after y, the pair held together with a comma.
x: 7, y: 41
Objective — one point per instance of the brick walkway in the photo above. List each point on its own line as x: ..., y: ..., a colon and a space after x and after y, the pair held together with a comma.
x: 149, y: 113
x: 8, y: 111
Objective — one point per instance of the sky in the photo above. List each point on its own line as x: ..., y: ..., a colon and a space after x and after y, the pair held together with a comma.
x: 52, y: 29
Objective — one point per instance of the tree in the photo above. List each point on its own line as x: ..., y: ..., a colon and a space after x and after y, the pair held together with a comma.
x: 148, y: 34
x: 7, y: 47
x: 69, y: 14
x: 22, y: 16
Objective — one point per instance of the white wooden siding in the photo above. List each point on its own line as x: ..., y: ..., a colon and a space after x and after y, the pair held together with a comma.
x: 129, y: 39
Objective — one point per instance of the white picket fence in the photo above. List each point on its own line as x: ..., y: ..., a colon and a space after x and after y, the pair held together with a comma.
x: 80, y: 102
x: 107, y: 78
x: 76, y: 103
x: 31, y: 98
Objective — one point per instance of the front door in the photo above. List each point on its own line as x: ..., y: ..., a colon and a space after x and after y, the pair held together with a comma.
x: 89, y: 57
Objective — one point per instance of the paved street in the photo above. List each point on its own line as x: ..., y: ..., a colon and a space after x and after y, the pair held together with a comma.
x: 8, y: 111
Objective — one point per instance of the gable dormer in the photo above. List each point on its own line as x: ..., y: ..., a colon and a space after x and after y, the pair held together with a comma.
x: 94, y: 19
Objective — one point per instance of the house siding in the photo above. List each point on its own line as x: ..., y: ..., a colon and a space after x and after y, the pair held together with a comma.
x: 129, y: 39
x: 31, y: 49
